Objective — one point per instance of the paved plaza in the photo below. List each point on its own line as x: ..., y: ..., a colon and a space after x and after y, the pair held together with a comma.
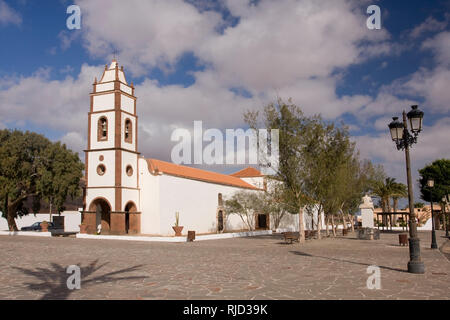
x: 244, y: 268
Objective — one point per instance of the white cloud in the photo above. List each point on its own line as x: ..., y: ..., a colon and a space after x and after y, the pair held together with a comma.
x: 429, y: 25
x: 385, y: 103
x: 146, y: 33
x: 440, y: 45
x: 76, y: 142
x: 431, y: 84
x: 58, y: 105
x: 432, y: 144
x: 277, y: 43
x: 285, y: 48
x: 8, y: 15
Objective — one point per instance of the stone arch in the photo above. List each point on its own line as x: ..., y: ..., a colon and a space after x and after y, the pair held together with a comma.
x: 102, y: 129
x: 130, y: 207
x: 102, y: 209
x: 128, y: 131
x: 220, y: 221
x: 132, y: 218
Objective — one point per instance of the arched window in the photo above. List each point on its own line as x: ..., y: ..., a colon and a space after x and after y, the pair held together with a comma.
x: 128, y: 131
x: 102, y: 129
x: 220, y: 200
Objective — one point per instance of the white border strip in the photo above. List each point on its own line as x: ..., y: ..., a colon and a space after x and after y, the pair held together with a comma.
x: 26, y: 233
x: 176, y: 239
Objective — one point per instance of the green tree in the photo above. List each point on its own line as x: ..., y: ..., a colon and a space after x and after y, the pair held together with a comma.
x: 439, y: 170
x: 32, y: 167
x: 387, y: 190
x: 243, y: 203
x: 399, y: 191
x: 272, y: 201
x: 296, y: 136
x: 419, y: 205
x: 318, y: 163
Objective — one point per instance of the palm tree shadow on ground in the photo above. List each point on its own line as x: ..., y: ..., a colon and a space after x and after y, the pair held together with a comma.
x: 299, y: 253
x: 54, y: 279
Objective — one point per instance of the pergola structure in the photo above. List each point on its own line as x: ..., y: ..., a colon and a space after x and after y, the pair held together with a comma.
x: 390, y: 216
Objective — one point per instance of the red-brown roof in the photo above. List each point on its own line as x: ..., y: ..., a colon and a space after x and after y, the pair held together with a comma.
x: 248, y: 172
x: 172, y: 169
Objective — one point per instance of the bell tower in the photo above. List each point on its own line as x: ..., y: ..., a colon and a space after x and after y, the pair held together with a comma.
x: 112, y: 187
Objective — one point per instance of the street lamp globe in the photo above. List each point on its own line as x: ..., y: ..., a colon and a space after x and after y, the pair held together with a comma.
x: 396, y: 128
x: 430, y: 183
x: 415, y: 117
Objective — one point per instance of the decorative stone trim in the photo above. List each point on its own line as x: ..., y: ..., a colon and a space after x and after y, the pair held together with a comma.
x: 101, y: 169
x: 102, y: 129
x: 129, y: 170
x: 224, y: 219
x: 128, y: 131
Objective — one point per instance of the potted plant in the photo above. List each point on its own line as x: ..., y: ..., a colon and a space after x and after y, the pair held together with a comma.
x: 44, y: 226
x: 177, y: 228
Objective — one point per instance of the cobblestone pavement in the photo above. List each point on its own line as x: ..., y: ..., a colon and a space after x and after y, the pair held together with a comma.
x: 245, y: 268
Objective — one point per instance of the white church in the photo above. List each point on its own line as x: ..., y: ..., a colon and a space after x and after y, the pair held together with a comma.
x: 128, y: 194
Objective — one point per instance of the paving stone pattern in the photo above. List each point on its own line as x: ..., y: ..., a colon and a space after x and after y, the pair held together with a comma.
x: 242, y: 268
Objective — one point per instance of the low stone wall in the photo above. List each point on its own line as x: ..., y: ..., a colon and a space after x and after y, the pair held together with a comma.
x: 177, y: 239
x: 25, y: 233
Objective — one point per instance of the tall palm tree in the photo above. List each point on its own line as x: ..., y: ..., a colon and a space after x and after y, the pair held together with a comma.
x: 399, y: 191
x: 385, y: 190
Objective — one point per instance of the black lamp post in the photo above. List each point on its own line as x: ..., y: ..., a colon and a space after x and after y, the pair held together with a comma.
x: 430, y: 184
x: 403, y: 140
x: 444, y: 202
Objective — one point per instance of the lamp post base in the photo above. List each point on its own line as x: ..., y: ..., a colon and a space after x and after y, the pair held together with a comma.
x: 433, y: 240
x: 415, y: 265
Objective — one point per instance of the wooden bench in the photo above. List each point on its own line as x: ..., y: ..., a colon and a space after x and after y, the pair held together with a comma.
x: 291, y: 236
x: 310, y: 234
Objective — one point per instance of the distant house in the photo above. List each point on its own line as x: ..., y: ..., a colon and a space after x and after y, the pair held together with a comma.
x: 422, y: 214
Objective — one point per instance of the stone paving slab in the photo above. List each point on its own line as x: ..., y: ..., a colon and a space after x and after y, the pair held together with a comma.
x: 260, y: 267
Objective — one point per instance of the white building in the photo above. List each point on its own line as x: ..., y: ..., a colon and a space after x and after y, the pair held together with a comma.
x: 126, y: 193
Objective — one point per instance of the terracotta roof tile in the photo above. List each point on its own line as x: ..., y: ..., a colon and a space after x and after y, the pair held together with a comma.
x: 196, y: 174
x: 247, y: 173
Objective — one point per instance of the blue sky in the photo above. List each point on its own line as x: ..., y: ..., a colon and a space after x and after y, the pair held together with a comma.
x: 212, y: 60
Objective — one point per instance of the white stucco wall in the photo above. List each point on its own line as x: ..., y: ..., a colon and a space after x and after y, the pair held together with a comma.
x: 72, y: 220
x: 122, y: 76
x: 197, y: 202
x: 93, y: 135
x: 255, y: 181
x: 291, y: 221
x: 149, y: 200
x: 123, y: 143
x: 130, y: 195
x: 106, y: 193
x: 95, y: 180
x: 103, y: 102
x: 125, y: 88
x: 101, y: 87
x: 129, y: 158
x: 127, y: 104
x: 110, y: 74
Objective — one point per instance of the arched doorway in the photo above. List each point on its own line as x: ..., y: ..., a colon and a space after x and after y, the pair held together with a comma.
x: 220, y: 221
x: 262, y: 221
x: 102, y: 211
x: 130, y: 208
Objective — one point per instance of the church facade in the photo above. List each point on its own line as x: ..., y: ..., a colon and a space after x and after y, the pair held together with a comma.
x: 128, y: 194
